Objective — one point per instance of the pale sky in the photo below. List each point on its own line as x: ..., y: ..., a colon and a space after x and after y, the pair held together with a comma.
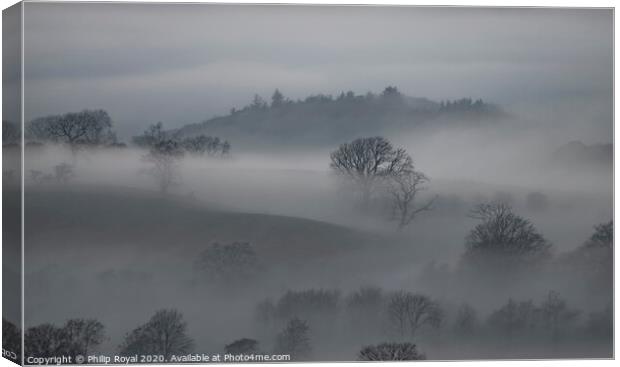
x: 181, y: 63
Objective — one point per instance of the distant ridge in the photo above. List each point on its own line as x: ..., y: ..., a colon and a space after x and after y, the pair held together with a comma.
x: 323, y: 120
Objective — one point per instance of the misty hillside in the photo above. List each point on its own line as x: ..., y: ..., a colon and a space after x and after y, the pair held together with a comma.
x: 323, y: 120
x: 152, y: 224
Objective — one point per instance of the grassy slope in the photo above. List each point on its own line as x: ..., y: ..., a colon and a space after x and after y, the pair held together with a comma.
x: 66, y: 218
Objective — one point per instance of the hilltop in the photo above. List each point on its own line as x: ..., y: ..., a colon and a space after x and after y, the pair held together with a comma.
x: 324, y: 120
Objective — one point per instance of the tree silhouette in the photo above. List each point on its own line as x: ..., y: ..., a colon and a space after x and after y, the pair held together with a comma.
x: 405, y: 188
x: 593, y: 260
x: 88, y: 127
x: 504, y: 240
x: 409, y: 312
x: 294, y: 339
x: 46, y: 340
x: 163, y: 158
x: 75, y: 337
x: 277, y: 99
x: 206, y: 145
x: 152, y: 136
x: 368, y: 161
x: 555, y: 314
x: 164, y: 334
x: 603, y: 236
x: 258, y: 103
x: 390, y: 352
x: 84, y: 335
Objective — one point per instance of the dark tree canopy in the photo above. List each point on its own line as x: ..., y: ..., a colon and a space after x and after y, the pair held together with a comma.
x: 390, y: 352
x: 277, y: 99
x: 152, y: 136
x: 155, y: 137
x: 594, y: 260
x: 76, y: 337
x: 326, y: 120
x: 408, y: 312
x: 366, y: 161
x: 163, y: 157
x: 45, y: 340
x: 504, y: 235
x: 84, y: 335
x: 88, y: 127
x: 206, y: 145
x: 164, y: 334
x: 603, y: 236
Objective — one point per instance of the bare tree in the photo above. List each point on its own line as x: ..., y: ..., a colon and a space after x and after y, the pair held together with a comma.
x: 46, y: 340
x: 409, y: 312
x: 206, y: 145
x: 368, y: 161
x: 404, y: 188
x: 390, y: 352
x: 163, y: 158
x: 152, y: 136
x: 164, y: 334
x: 88, y: 127
x: 84, y: 335
x: 504, y: 239
x: 555, y: 314
x: 294, y: 339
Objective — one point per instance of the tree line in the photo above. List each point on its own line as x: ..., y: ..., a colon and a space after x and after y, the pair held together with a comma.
x: 401, y: 317
x: 90, y: 129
